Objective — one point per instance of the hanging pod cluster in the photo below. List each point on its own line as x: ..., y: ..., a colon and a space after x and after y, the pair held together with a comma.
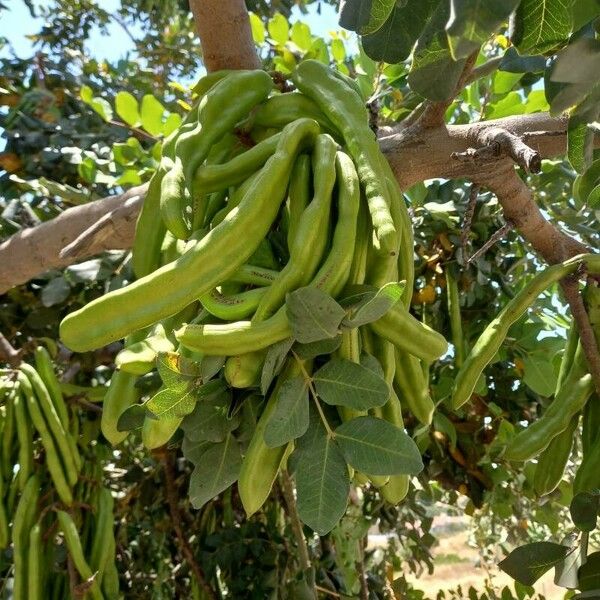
x: 271, y: 256
x: 550, y: 438
x: 47, y: 483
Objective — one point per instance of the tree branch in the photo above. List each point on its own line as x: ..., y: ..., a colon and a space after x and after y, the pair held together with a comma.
x: 225, y: 34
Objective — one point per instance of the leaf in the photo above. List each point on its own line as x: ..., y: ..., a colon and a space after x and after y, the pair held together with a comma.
x: 584, y: 509
x: 377, y: 306
x: 370, y: 362
x: 193, y: 451
x: 290, y: 417
x: 442, y: 423
x: 85, y: 272
x: 276, y: 355
x: 355, y: 14
x: 301, y: 36
x: 258, y: 29
x: 584, y: 11
x: 565, y: 572
x: 394, y: 41
x: 322, y: 479
x: 102, y: 107
x: 208, y: 421
x: 313, y: 314
x: 132, y: 418
x: 127, y: 108
x: 580, y: 138
x: 433, y: 73
x: 377, y: 447
x: 341, y: 382
x: 539, y: 375
x: 589, y: 573
x: 279, y: 29
x: 217, y: 469
x: 338, y: 50
x: 86, y: 93
x: 57, y: 290
x: 172, y: 402
x: 172, y: 122
x: 151, y: 114
x: 313, y: 349
x: 541, y: 26
x: 174, y: 368
x: 513, y: 62
x: 380, y: 11
x: 473, y: 21
x: 528, y: 563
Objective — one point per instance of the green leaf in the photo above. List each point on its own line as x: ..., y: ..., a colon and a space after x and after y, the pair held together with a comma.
x: 322, y: 479
x: 313, y: 314
x: 434, y: 74
x: 209, y: 421
x: 174, y: 368
x: 541, y: 26
x: 584, y: 509
x: 86, y: 93
x: 341, y: 382
x: 132, y: 418
x: 313, y: 349
x: 394, y: 41
x: 258, y: 29
x: 301, y: 35
x: 380, y: 11
x: 151, y: 114
x: 528, y: 563
x: 586, y: 182
x: 279, y: 29
x: 127, y: 108
x: 102, y: 107
x: 290, y: 417
x: 513, y: 62
x: 193, y: 451
x: 377, y: 447
x: 375, y: 307
x: 57, y: 290
x: 172, y: 402
x: 584, y: 11
x: 442, y: 423
x: 87, y: 169
x: 217, y: 469
x: 172, y: 122
x: 370, y: 362
x: 276, y: 355
x: 539, y: 375
x: 589, y: 574
x: 355, y: 14
x: 473, y: 21
x: 580, y: 138
x: 338, y: 51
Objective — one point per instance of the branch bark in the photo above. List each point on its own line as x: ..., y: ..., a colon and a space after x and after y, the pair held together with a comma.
x: 414, y: 156
x: 225, y: 34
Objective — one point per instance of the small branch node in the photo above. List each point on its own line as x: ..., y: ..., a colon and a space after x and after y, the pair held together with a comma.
x: 494, y: 239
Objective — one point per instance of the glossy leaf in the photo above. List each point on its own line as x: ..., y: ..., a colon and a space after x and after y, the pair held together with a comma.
x: 375, y: 307
x: 151, y: 113
x: 584, y: 509
x: 380, y: 11
x: 541, y: 26
x: 377, y: 447
x: 341, y: 382
x: 126, y: 107
x: 276, y: 355
x: 528, y: 563
x: 589, y: 574
x: 355, y: 14
x: 472, y: 22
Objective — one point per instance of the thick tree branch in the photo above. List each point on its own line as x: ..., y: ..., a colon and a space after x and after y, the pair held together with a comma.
x: 225, y: 34
x: 414, y: 157
x: 35, y: 250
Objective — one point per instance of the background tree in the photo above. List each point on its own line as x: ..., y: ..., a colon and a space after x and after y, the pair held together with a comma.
x: 487, y: 123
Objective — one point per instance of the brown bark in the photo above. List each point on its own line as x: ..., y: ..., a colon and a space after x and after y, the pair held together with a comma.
x: 225, y: 34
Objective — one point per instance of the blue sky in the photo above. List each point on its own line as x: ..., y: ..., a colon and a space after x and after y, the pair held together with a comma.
x: 16, y: 23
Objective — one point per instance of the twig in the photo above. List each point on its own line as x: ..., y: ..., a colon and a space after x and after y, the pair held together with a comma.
x: 570, y: 287
x: 326, y: 591
x: 433, y: 115
x: 360, y: 567
x: 287, y: 490
x: 8, y: 353
x: 135, y: 130
x: 494, y: 238
x: 468, y: 219
x: 86, y: 404
x: 171, y: 492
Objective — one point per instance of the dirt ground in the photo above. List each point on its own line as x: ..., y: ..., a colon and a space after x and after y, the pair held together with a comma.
x: 457, y: 563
